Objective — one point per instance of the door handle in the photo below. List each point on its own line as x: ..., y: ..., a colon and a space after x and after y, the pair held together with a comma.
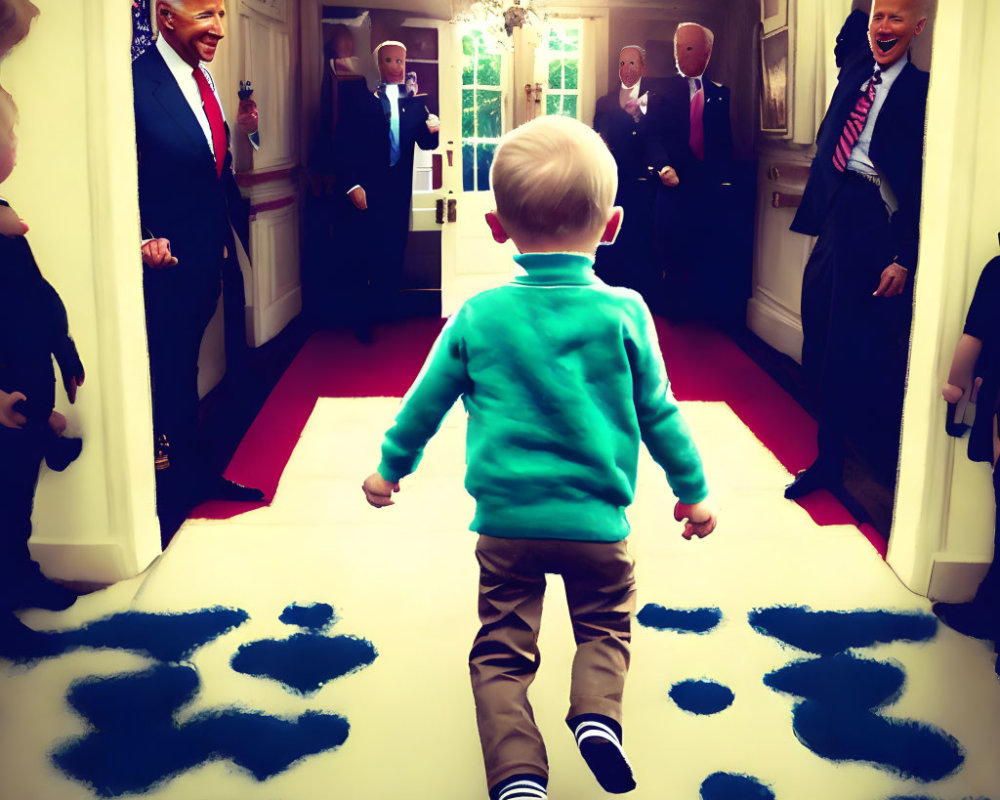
x: 439, y: 211
x: 452, y: 210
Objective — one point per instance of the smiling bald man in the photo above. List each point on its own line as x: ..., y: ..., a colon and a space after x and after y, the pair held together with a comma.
x: 863, y: 201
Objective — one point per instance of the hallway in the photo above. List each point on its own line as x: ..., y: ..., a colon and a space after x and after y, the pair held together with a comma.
x: 317, y: 647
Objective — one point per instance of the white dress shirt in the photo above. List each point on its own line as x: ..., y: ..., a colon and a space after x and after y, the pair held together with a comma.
x: 860, y: 161
x: 184, y: 76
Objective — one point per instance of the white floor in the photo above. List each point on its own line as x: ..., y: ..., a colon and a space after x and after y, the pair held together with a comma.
x: 405, y: 579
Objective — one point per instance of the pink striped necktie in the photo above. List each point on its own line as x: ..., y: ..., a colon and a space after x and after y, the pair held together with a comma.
x: 855, y: 123
x: 696, y: 138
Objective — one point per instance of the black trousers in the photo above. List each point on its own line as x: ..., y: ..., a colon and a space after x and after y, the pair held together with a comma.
x: 629, y: 261
x: 859, y: 342
x: 179, y: 307
x: 366, y: 262
x: 21, y: 453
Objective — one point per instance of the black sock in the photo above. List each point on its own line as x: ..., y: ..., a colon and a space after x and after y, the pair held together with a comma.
x: 600, y: 741
x: 520, y: 787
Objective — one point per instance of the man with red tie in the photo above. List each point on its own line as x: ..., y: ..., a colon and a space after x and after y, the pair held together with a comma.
x: 862, y: 200
x: 692, y: 116
x: 186, y: 196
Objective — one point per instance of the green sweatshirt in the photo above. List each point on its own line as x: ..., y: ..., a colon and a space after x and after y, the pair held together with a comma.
x: 561, y: 375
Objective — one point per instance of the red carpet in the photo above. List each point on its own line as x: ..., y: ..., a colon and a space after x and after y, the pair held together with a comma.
x: 703, y: 363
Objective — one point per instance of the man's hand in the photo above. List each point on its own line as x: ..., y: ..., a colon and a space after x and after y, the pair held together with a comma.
x: 358, y: 197
x: 156, y: 254
x: 10, y: 418
x: 632, y: 109
x: 378, y: 491
x: 246, y: 116
x: 73, y: 384
x: 893, y: 281
x: 668, y: 176
x: 700, y: 518
x: 433, y: 123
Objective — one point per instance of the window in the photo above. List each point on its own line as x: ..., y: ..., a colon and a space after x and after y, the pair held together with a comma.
x: 482, y: 108
x: 562, y: 55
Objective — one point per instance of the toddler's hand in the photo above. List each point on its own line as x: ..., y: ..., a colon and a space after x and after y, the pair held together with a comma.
x: 378, y: 491
x: 700, y: 518
x: 9, y: 417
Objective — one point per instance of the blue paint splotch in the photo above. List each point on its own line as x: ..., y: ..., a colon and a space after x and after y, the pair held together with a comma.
x: 727, y: 786
x: 304, y: 662
x: 163, y: 637
x: 840, y: 679
x: 683, y: 620
x: 129, y: 752
x: 317, y: 617
x: 839, y: 716
x: 908, y: 748
x: 827, y: 632
x: 702, y: 696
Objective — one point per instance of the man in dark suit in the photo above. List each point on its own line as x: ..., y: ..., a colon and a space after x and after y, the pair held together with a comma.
x: 863, y: 200
x: 186, y: 194
x: 621, y: 119
x: 373, y: 157
x: 692, y: 116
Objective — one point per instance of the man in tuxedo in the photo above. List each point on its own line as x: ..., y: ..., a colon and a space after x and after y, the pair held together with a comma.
x: 373, y: 158
x: 621, y: 119
x: 187, y: 193
x: 863, y: 201
x: 692, y: 117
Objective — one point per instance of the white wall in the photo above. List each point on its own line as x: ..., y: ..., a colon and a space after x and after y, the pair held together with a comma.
x: 75, y: 185
x: 944, y: 509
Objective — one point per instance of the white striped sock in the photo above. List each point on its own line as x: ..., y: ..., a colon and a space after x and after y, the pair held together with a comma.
x: 523, y: 790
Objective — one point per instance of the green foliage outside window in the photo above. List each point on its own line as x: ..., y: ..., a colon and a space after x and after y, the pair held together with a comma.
x: 482, y: 118
x: 563, y: 52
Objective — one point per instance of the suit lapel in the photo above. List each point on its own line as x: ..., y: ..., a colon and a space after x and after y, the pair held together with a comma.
x: 168, y: 94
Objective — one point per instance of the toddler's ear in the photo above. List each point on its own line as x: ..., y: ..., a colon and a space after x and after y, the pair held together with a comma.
x: 496, y: 227
x: 614, y: 225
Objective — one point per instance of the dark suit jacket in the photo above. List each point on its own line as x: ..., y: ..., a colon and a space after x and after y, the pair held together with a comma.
x: 361, y: 143
x: 35, y: 329
x: 896, y: 147
x: 181, y: 197
x: 671, y: 115
x: 633, y: 144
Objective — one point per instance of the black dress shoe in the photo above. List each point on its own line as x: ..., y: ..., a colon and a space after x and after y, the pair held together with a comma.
x: 62, y: 451
x: 970, y: 619
x: 36, y: 591
x: 223, y: 489
x: 809, y: 480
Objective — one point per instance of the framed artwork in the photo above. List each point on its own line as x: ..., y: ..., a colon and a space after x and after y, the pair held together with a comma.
x: 775, y: 86
x: 773, y: 14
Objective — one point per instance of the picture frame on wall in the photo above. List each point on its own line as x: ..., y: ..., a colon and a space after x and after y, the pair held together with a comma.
x: 775, y: 97
x: 773, y: 14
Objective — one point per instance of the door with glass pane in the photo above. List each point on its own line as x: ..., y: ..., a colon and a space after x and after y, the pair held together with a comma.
x: 472, y: 261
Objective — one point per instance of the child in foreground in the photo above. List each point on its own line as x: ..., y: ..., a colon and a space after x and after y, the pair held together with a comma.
x: 561, y: 375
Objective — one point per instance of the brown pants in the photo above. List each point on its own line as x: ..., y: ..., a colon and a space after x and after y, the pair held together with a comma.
x: 600, y: 592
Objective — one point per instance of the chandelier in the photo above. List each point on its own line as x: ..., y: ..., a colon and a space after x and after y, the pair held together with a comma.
x: 498, y: 18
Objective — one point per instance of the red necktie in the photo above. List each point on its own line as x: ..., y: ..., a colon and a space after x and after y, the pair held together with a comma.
x: 214, y: 114
x: 855, y: 124
x: 696, y: 140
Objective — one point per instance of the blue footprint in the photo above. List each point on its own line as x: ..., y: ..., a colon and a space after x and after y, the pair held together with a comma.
x: 136, y: 742
x: 841, y: 693
x: 305, y: 661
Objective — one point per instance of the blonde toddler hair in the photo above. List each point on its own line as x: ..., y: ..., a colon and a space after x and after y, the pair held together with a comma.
x: 553, y: 178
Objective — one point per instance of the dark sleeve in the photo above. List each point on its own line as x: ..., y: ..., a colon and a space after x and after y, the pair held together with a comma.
x: 981, y: 319
x: 852, y: 41
x: 61, y: 343
x: 654, y: 147
x: 238, y: 205
x: 355, y: 126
